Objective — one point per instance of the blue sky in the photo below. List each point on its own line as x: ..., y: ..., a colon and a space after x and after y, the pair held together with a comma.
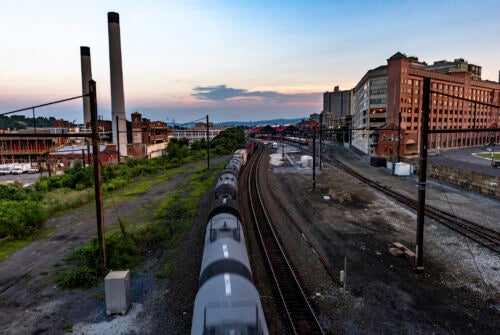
x: 233, y: 60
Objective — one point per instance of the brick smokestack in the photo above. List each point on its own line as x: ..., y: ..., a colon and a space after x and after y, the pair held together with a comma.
x: 86, y: 76
x: 116, y: 76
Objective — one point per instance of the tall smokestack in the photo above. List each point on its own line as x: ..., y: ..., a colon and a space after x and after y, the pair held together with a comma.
x: 86, y: 76
x: 117, y: 97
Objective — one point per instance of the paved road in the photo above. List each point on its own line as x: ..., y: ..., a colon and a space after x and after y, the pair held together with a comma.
x: 463, y: 158
x: 22, y: 178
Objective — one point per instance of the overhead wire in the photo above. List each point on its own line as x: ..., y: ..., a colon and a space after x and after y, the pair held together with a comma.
x: 443, y: 190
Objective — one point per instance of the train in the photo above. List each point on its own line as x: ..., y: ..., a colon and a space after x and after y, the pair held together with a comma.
x: 298, y: 140
x: 227, y: 301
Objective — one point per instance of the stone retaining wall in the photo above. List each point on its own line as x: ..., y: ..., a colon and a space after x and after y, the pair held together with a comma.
x: 465, y: 179
x: 469, y: 180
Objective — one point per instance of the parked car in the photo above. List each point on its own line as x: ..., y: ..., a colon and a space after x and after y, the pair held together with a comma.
x: 17, y: 170
x: 33, y: 170
x: 495, y: 164
x: 6, y: 169
x: 21, y: 168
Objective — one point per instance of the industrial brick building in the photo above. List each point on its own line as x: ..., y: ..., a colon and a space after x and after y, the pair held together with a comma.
x: 451, y: 82
x: 386, y: 107
x: 149, y: 138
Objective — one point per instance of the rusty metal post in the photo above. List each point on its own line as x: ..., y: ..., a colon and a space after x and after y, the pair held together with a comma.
x: 88, y: 150
x: 97, y: 172
x: 422, y: 175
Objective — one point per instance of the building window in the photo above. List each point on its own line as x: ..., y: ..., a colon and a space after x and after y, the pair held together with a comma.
x: 377, y: 101
x: 379, y: 82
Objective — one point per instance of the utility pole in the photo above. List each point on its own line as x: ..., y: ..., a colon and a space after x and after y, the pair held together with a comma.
x: 97, y: 173
x: 34, y: 120
x: 422, y: 175
x: 282, y: 148
x: 320, y: 139
x: 208, y: 146
x: 314, y: 159
x: 399, y: 137
x: 393, y: 157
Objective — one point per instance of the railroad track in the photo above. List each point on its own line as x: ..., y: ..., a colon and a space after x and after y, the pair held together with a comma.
x: 484, y: 236
x: 296, y: 305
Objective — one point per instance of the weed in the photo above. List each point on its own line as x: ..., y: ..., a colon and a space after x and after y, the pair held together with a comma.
x: 165, y: 270
x: 67, y: 327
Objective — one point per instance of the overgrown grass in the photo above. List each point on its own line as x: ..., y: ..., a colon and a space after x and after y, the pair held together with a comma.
x: 56, y: 194
x: 8, y: 247
x: 487, y: 155
x: 164, y: 227
x: 58, y: 201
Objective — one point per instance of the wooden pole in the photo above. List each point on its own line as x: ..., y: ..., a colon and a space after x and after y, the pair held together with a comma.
x: 97, y: 173
x: 314, y: 159
x: 422, y: 175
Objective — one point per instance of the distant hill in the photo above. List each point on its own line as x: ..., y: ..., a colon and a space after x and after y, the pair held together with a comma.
x: 256, y: 123
x: 23, y: 122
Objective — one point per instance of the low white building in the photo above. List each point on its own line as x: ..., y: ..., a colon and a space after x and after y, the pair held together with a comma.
x: 196, y: 134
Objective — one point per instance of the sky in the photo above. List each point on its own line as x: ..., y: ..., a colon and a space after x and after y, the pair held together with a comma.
x: 232, y: 60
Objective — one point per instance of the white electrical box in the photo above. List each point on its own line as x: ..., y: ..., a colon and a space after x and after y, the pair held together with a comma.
x: 117, y: 291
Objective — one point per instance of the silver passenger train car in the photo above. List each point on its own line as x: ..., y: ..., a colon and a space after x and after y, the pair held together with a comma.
x: 227, y: 302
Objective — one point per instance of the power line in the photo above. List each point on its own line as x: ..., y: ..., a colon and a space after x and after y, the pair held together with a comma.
x: 43, y: 105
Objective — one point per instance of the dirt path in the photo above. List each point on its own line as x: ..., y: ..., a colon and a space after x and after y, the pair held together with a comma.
x: 28, y: 297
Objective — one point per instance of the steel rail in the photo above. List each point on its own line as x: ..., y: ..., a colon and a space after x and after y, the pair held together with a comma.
x: 299, y: 312
x: 485, y: 236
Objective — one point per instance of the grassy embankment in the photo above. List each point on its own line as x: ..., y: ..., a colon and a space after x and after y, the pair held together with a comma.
x: 161, y: 225
x: 24, y: 211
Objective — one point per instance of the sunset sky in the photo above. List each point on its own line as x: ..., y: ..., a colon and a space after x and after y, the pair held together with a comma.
x: 233, y: 60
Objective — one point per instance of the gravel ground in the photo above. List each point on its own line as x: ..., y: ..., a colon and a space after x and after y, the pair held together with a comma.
x: 457, y: 293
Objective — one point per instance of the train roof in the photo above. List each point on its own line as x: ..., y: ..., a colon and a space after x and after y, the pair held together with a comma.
x: 225, y: 255
x: 229, y: 302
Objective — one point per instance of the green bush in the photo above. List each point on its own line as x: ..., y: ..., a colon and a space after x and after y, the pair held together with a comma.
x: 121, y: 253
x: 9, y: 192
x: 20, y: 218
x: 114, y: 184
